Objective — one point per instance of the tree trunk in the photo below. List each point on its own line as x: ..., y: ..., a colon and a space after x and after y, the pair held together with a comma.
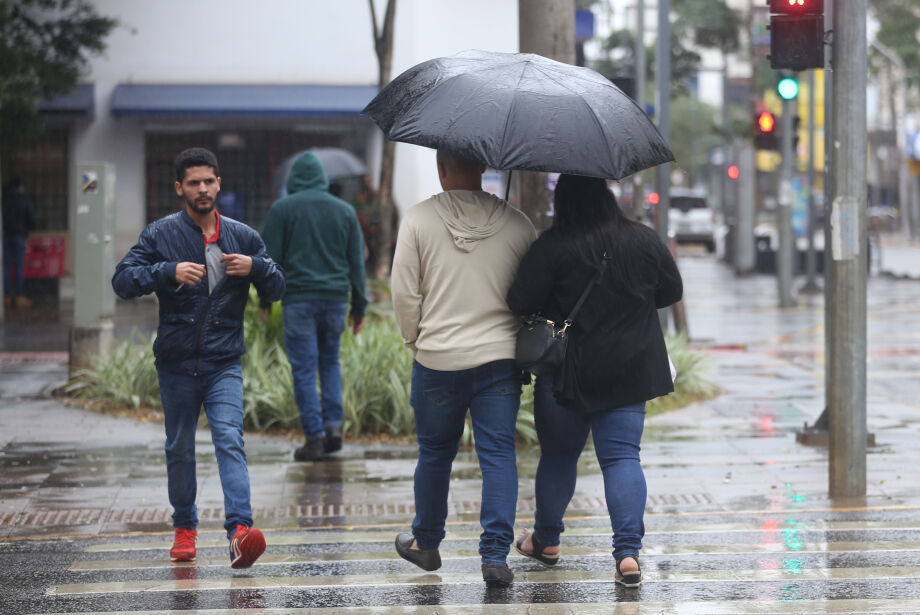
x: 546, y: 27
x: 2, y: 263
x: 383, y: 45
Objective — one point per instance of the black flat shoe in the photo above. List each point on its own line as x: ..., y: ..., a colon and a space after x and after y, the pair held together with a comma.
x: 497, y: 576
x: 426, y: 559
x: 537, y: 555
x: 628, y: 579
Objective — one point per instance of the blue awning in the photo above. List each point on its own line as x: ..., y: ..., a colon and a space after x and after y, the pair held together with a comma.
x: 79, y: 102
x: 191, y: 99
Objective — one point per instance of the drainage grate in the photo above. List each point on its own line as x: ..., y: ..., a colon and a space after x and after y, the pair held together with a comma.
x: 401, y: 510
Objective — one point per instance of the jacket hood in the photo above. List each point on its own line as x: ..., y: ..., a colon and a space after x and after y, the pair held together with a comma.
x: 307, y: 174
x: 471, y: 216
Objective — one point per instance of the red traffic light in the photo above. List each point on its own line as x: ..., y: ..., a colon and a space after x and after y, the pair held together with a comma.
x: 796, y: 7
x: 766, y: 121
x: 733, y: 172
x: 653, y: 198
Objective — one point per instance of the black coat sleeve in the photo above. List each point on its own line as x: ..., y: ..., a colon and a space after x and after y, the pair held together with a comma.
x: 534, y: 281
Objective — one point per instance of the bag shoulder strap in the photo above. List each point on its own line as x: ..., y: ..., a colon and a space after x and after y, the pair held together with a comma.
x: 587, y: 291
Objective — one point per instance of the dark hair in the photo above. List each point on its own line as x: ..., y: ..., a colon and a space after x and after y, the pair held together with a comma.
x: 587, y: 210
x: 195, y: 157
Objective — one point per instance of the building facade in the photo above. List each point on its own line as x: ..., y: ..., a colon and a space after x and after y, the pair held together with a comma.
x: 256, y: 82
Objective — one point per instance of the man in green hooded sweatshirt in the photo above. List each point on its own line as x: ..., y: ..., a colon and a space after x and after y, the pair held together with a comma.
x: 317, y: 240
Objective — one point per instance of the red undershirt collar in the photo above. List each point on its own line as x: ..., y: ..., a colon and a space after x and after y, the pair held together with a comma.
x: 216, y: 234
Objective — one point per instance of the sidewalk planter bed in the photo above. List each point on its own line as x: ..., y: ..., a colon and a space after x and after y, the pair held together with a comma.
x: 376, y: 370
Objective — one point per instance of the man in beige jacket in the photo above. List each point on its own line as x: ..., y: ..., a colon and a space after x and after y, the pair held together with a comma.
x: 456, y: 255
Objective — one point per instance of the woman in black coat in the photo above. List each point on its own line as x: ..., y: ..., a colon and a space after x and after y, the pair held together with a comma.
x: 616, y: 359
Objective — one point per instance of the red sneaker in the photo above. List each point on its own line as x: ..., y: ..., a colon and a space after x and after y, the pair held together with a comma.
x: 246, y: 546
x: 183, y: 549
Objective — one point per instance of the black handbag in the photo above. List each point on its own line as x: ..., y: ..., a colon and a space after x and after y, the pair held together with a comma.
x: 540, y: 344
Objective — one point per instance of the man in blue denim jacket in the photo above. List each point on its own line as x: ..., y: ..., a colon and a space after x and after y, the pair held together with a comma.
x: 200, y: 265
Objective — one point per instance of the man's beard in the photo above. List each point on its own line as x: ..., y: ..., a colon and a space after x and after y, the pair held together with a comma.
x: 201, y: 208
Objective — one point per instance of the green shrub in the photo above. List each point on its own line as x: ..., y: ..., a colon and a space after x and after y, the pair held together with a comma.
x: 376, y: 373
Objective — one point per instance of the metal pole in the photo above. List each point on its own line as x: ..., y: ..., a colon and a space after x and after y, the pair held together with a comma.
x: 744, y: 257
x: 847, y: 266
x: 786, y: 248
x: 663, y: 111
x: 638, y: 194
x: 811, y: 258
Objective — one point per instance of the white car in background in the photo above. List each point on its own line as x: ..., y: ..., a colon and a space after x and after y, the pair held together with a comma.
x: 690, y: 220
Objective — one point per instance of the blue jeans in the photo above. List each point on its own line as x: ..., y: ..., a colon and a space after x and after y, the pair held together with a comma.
x: 14, y: 260
x: 221, y: 392
x: 312, y: 336
x: 492, y: 394
x: 562, y: 434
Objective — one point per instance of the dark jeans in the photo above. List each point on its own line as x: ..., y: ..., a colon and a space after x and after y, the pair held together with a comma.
x: 312, y: 337
x: 221, y: 393
x: 14, y: 261
x: 563, y: 434
x: 492, y: 394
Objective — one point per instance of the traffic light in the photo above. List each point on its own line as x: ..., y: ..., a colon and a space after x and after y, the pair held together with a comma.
x: 765, y: 131
x: 788, y: 88
x: 796, y: 34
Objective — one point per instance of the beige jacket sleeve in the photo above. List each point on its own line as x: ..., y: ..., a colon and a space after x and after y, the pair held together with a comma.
x: 406, y: 284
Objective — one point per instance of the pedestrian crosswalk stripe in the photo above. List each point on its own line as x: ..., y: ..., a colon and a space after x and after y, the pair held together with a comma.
x: 707, y: 577
x: 715, y: 607
x: 310, y: 537
x: 567, y: 551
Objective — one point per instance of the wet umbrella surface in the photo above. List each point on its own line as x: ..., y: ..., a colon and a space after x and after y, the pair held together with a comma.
x: 520, y: 111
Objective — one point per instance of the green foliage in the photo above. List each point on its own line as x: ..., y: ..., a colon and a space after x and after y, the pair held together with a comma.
x: 44, y: 48
x: 376, y: 374
x: 126, y: 378
x: 692, y: 384
x: 899, y: 29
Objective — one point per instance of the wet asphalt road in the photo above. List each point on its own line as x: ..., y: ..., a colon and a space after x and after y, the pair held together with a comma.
x: 738, y: 518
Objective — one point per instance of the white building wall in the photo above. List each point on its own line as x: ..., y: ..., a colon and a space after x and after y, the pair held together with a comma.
x: 326, y: 42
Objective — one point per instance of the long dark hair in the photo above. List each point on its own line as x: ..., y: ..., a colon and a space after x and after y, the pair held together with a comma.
x: 588, y: 212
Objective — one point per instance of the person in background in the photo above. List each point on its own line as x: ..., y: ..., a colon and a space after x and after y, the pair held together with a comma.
x: 615, y: 360
x: 200, y: 265
x: 316, y: 239
x: 18, y: 222
x: 456, y: 254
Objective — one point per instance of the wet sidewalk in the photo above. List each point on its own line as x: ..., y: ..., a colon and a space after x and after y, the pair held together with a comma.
x: 738, y: 518
x: 68, y: 470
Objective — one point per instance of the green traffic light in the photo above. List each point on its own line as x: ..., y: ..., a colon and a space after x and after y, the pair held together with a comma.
x: 788, y: 88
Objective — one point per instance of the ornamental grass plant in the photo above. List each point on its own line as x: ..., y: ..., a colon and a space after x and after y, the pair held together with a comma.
x: 376, y: 374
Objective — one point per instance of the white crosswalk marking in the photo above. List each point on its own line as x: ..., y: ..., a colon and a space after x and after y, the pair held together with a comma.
x: 791, y: 559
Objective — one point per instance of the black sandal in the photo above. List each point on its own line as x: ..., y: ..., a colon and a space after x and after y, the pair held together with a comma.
x: 537, y: 555
x: 628, y: 579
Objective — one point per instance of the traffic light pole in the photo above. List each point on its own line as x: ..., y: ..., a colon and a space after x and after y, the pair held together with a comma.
x: 811, y: 258
x: 847, y: 267
x: 786, y: 248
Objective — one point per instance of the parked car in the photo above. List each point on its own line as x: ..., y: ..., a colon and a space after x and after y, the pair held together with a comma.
x: 690, y: 220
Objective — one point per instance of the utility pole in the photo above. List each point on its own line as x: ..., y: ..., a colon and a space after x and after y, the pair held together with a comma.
x: 638, y: 192
x: 847, y: 266
x: 786, y: 248
x: 546, y: 27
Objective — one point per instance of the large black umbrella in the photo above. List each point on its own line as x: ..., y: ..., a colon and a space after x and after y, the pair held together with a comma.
x: 520, y: 111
